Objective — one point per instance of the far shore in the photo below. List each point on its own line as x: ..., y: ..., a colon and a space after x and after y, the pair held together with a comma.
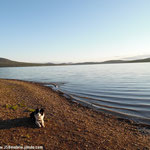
x: 69, y: 125
x: 9, y: 63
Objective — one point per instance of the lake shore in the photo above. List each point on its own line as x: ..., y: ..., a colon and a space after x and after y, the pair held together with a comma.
x: 69, y: 125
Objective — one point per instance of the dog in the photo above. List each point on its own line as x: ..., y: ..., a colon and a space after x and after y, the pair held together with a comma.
x: 38, y: 117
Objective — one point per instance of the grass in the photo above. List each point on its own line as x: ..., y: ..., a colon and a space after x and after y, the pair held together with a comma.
x: 14, y: 107
x: 21, y: 105
x: 7, y: 106
x: 31, y: 110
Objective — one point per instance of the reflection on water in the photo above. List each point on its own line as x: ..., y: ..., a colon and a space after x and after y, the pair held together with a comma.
x: 122, y: 89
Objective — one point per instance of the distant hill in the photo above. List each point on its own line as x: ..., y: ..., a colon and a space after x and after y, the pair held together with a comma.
x: 127, y: 61
x: 114, y: 61
x: 141, y: 60
x: 9, y: 63
x: 4, y: 60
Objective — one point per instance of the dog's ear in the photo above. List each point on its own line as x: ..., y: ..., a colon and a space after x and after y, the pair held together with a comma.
x: 42, y: 111
x: 37, y: 110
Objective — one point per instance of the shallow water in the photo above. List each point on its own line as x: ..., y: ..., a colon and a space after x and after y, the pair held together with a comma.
x: 122, y: 89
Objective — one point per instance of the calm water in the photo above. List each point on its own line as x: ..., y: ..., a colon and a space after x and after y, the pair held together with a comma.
x: 122, y: 89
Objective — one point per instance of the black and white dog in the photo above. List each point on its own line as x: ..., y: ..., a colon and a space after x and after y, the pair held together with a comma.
x: 38, y: 117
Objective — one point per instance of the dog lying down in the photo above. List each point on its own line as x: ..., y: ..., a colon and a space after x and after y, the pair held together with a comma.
x: 38, y: 117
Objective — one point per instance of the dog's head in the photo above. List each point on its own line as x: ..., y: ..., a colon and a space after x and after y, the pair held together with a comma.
x: 39, y: 112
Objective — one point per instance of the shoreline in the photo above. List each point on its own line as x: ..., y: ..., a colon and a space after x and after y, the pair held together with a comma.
x: 88, y: 105
x: 78, y: 125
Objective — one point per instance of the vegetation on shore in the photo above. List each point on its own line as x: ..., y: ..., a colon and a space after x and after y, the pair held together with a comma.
x: 68, y: 125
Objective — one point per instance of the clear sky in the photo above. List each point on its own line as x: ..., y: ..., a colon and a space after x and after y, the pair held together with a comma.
x: 74, y: 30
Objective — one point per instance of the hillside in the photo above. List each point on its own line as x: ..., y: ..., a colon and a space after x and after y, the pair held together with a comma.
x: 9, y: 63
x: 114, y: 61
x: 141, y: 60
x: 127, y: 61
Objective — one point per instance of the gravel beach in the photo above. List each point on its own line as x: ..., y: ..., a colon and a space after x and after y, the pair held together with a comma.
x: 68, y: 125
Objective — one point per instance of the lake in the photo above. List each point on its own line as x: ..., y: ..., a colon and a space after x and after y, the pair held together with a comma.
x: 120, y: 89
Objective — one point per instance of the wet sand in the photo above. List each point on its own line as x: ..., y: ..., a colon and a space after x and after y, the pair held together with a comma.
x: 69, y: 125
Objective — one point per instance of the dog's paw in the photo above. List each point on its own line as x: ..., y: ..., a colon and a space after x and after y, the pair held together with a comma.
x: 38, y: 124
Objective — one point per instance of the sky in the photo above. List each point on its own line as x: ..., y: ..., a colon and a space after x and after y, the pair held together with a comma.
x: 74, y: 30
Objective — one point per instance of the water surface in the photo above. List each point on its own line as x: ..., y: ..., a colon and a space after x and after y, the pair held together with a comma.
x: 121, y: 89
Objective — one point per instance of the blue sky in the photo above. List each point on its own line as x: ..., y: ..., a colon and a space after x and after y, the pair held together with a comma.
x: 74, y: 30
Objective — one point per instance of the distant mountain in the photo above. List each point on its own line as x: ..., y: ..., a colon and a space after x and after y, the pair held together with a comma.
x: 114, y: 61
x: 137, y: 57
x: 4, y: 60
x: 141, y: 60
x: 9, y: 63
